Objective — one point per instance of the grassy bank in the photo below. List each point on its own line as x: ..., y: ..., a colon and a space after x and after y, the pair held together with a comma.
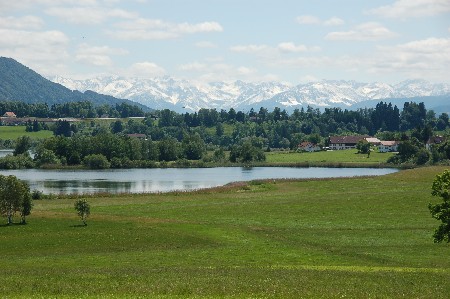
x: 330, y: 238
x: 14, y: 132
x: 330, y: 157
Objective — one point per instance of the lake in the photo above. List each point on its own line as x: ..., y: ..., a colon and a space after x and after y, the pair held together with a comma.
x: 169, y: 179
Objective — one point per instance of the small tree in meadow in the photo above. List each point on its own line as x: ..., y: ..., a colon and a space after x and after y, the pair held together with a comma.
x: 441, y: 211
x: 83, y: 209
x: 14, y: 197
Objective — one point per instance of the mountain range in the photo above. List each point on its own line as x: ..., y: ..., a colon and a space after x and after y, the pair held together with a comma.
x: 183, y: 95
x: 20, y: 83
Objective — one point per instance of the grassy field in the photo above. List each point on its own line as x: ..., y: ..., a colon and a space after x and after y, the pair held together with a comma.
x: 14, y: 132
x: 347, y: 156
x: 334, y: 238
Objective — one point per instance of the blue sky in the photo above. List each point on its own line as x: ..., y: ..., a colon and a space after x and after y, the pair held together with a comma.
x: 292, y: 41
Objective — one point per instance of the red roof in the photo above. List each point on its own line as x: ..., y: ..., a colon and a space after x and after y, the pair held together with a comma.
x: 9, y: 114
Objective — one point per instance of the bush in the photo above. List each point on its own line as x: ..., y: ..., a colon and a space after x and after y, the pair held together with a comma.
x: 16, y: 162
x: 96, y: 162
x: 36, y: 194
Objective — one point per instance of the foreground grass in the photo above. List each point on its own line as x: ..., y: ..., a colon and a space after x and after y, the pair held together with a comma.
x: 333, y: 238
x: 342, y: 156
x: 14, y: 132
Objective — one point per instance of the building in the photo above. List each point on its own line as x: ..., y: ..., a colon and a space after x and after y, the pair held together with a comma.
x: 344, y: 142
x: 434, y: 140
x: 10, y: 114
x: 373, y: 141
x: 309, y: 147
x: 388, y: 146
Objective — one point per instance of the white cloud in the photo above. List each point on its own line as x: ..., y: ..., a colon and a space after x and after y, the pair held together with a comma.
x: 146, y: 69
x: 428, y: 58
x: 193, y: 67
x: 26, y: 22
x: 412, y: 8
x: 291, y: 47
x: 88, y: 15
x: 249, y: 48
x: 44, y: 51
x: 149, y: 29
x: 97, y: 56
x: 312, y: 20
x: 205, y: 44
x: 308, y: 20
x: 365, y: 32
x: 334, y: 21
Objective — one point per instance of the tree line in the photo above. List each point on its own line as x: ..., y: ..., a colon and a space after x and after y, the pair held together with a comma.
x: 83, y: 109
x: 207, y: 134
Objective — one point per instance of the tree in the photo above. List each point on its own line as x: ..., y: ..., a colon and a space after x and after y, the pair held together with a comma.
x: 14, y: 197
x: 96, y: 161
x: 23, y: 144
x: 363, y: 147
x: 193, y: 146
x: 83, y: 209
x: 441, y: 211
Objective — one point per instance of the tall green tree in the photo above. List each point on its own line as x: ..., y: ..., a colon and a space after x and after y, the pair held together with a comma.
x: 14, y: 197
x: 23, y: 144
x: 441, y: 211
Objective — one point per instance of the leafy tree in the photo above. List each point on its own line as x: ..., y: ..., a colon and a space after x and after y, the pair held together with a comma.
x: 44, y: 156
x: 193, y: 147
x: 14, y: 197
x: 441, y: 211
x: 246, y: 153
x: 23, y: 144
x: 168, y: 149
x: 363, y: 147
x: 117, y: 126
x: 62, y: 127
x: 96, y: 161
x: 83, y: 209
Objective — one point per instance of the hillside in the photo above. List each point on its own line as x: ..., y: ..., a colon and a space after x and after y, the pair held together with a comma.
x: 20, y: 83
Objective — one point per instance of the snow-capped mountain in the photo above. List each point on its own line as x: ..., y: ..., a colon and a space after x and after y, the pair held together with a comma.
x: 181, y: 95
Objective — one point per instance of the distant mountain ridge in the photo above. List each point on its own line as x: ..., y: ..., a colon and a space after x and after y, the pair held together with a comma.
x: 20, y: 83
x: 182, y: 95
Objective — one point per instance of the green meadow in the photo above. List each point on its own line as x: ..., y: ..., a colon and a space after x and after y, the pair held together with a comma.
x: 341, y: 156
x: 368, y: 237
x: 14, y: 132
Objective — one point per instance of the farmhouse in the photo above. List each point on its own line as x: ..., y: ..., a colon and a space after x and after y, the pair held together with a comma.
x: 434, y: 140
x: 388, y: 146
x: 309, y: 147
x: 10, y: 114
x: 373, y: 141
x: 344, y: 142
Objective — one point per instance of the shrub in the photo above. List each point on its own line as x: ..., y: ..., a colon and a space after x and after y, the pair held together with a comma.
x: 96, y: 161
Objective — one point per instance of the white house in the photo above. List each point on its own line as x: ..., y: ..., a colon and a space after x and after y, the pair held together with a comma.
x: 388, y: 146
x: 309, y: 147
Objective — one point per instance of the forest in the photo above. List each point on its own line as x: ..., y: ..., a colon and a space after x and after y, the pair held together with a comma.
x: 217, y: 136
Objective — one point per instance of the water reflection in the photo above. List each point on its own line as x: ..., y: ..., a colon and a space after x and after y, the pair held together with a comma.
x: 170, y: 179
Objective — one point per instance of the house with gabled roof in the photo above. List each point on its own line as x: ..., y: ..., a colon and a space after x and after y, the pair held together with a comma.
x: 10, y: 114
x: 388, y: 146
x: 345, y: 142
x: 308, y: 147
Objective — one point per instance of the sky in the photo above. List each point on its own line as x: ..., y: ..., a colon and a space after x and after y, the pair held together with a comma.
x: 292, y: 41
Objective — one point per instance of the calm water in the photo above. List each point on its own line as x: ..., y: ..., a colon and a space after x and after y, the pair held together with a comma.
x: 169, y: 179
